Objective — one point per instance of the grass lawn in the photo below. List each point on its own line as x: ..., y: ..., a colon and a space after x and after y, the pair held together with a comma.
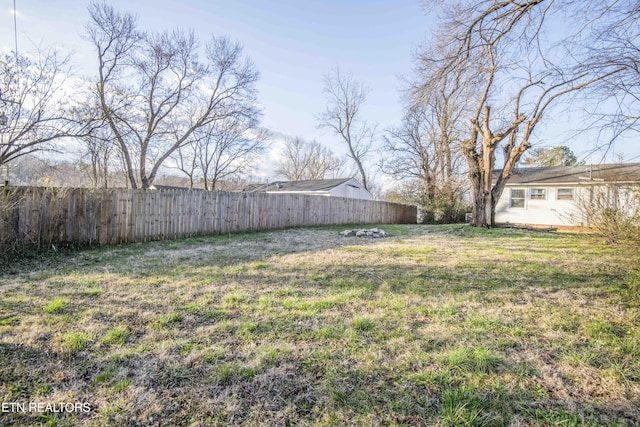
x: 435, y: 325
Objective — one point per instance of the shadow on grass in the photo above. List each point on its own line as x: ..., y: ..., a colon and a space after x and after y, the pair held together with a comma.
x: 29, y: 378
x: 68, y: 258
x: 220, y: 331
x: 311, y: 386
x: 361, y: 394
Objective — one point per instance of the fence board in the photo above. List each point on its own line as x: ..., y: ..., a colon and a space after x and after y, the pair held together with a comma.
x: 38, y: 216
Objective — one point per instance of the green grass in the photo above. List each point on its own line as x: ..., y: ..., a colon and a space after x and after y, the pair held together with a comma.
x: 116, y: 336
x: 73, y: 342
x: 104, y: 377
x: 121, y: 386
x: 56, y: 306
x: 435, y: 325
x: 475, y: 360
x: 168, y: 320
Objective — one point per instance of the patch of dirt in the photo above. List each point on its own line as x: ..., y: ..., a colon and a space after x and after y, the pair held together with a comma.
x: 265, y: 244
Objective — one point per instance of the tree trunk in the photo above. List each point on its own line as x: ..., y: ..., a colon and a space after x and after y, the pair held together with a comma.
x: 360, y: 169
x: 478, y: 218
x: 483, y: 213
x: 483, y: 208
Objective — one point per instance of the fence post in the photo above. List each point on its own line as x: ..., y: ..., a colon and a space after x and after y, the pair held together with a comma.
x: 38, y: 216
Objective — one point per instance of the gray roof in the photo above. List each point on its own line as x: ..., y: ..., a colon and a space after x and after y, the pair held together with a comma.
x: 620, y: 172
x: 289, y: 186
x: 167, y: 187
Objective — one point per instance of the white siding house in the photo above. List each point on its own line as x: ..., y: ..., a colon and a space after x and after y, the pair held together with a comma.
x: 553, y: 195
x: 341, y: 187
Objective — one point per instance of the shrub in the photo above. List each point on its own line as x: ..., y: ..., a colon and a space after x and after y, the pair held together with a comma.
x: 31, y: 218
x: 614, y: 212
x: 9, y: 200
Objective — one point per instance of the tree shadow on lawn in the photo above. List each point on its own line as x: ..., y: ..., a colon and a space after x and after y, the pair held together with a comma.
x: 430, y: 279
x: 286, y: 389
x: 244, y: 247
x: 211, y: 289
x: 31, y: 375
x: 189, y: 270
x: 450, y: 397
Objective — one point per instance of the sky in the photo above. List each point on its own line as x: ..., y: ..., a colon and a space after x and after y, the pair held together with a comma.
x: 292, y: 42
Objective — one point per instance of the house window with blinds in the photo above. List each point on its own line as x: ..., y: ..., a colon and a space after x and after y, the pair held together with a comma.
x: 565, y: 193
x: 538, y: 194
x: 517, y: 198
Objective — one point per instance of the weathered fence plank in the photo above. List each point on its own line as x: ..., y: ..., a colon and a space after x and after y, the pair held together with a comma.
x: 38, y: 216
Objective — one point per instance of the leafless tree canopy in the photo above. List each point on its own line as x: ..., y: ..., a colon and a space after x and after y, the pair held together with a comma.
x: 609, y: 39
x: 225, y: 149
x: 498, y: 55
x: 345, y: 98
x: 304, y: 160
x: 32, y: 103
x: 423, y: 153
x: 97, y: 159
x: 156, y: 89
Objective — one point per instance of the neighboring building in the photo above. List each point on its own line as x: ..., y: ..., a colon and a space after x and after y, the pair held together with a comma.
x: 554, y: 195
x: 341, y: 187
x: 167, y: 187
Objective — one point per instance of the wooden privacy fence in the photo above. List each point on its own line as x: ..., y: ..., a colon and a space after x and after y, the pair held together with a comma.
x: 39, y: 216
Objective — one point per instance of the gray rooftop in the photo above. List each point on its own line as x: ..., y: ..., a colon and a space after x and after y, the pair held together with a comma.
x: 288, y: 186
x: 620, y: 172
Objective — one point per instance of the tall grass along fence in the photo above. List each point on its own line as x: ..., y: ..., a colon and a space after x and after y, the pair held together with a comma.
x: 37, y: 217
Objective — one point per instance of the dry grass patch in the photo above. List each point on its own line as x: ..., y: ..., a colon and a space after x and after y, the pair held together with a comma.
x: 442, y: 325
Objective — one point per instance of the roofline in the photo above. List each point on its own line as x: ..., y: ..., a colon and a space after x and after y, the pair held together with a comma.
x: 340, y: 180
x: 272, y: 187
x: 276, y: 191
x: 585, y: 183
x: 563, y: 175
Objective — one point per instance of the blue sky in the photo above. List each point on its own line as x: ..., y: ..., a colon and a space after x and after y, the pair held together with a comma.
x: 293, y: 43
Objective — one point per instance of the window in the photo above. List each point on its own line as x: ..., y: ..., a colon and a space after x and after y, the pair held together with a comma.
x: 565, y: 193
x: 517, y: 198
x: 538, y: 193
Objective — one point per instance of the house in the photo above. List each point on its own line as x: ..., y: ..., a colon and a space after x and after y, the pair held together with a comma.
x: 341, y: 187
x: 557, y: 196
x: 167, y: 187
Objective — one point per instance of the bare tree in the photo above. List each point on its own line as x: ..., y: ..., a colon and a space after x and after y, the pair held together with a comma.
x: 186, y: 161
x: 155, y: 90
x: 609, y: 39
x: 26, y: 170
x: 97, y: 153
x: 345, y: 98
x: 97, y: 158
x: 39, y: 170
x: 304, y: 160
x: 424, y: 151
x: 495, y: 47
x: 32, y: 103
x: 222, y: 150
